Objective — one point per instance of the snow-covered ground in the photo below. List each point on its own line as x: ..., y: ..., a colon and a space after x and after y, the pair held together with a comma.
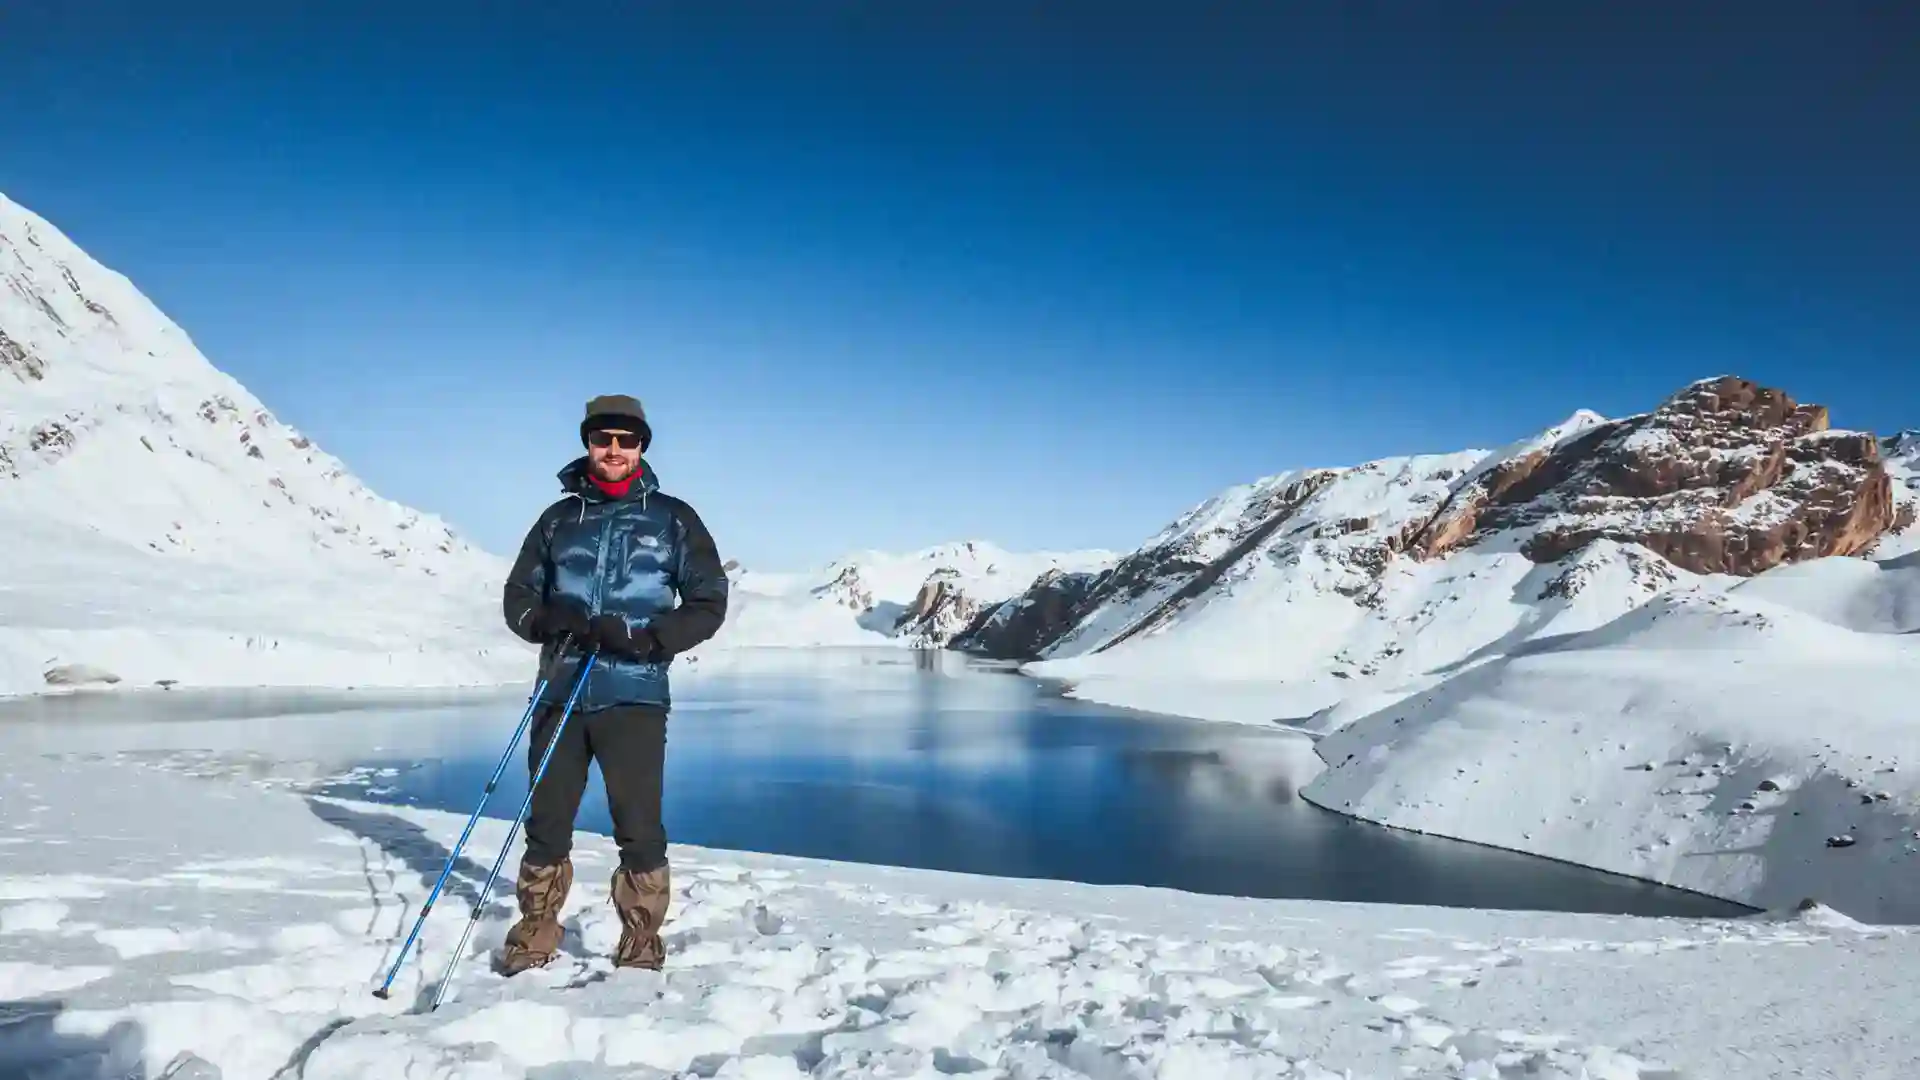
x: 77, y: 598
x: 1757, y: 743
x: 142, y: 934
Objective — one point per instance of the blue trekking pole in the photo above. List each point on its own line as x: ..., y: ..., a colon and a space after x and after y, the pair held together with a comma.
x: 453, y: 856
x: 480, y: 906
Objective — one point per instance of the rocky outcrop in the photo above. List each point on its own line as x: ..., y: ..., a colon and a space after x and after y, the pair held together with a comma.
x: 1018, y: 629
x: 1724, y: 477
x: 848, y: 590
x: 937, y: 612
x: 18, y: 362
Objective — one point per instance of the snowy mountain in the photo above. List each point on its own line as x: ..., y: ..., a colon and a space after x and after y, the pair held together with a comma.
x: 1333, y: 581
x: 1679, y: 645
x: 164, y: 525
x: 920, y: 599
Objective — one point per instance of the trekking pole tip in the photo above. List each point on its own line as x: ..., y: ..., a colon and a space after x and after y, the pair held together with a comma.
x: 382, y: 993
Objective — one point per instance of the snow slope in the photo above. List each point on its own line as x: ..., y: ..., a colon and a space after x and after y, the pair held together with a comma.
x: 921, y: 598
x: 1713, y: 739
x: 141, y: 935
x: 164, y: 525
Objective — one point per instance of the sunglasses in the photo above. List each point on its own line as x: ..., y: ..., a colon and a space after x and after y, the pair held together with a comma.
x: 628, y: 440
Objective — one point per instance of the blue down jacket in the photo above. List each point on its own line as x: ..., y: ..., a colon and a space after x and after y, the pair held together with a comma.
x: 630, y: 556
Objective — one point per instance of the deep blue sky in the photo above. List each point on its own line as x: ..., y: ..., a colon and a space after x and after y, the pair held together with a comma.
x: 889, y: 274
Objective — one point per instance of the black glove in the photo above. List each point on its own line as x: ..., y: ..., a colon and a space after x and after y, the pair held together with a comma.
x: 560, y: 616
x: 610, y: 634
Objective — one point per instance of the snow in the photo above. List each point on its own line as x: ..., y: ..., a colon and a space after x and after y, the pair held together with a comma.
x: 192, y: 949
x: 1854, y: 594
x: 1642, y: 746
x: 245, y: 555
x: 1902, y: 455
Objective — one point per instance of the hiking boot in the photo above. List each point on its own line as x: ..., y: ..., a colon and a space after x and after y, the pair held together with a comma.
x: 533, y: 940
x: 641, y: 902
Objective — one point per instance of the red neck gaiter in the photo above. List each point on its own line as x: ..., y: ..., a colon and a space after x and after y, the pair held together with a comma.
x: 615, y: 491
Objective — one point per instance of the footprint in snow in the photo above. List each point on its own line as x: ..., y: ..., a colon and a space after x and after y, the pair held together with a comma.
x: 946, y: 934
x: 765, y: 922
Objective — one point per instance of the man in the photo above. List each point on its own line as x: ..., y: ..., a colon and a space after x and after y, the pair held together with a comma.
x: 601, y: 568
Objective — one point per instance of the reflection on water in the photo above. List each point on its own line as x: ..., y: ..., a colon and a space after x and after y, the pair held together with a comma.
x: 883, y: 756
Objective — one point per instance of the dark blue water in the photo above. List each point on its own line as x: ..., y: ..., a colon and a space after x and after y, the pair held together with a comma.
x: 919, y: 760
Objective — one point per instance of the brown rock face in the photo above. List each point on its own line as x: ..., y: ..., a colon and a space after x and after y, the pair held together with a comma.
x: 1724, y: 477
x: 939, y: 610
x: 1457, y: 521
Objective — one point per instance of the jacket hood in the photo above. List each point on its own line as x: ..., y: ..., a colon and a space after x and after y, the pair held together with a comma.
x: 574, y: 480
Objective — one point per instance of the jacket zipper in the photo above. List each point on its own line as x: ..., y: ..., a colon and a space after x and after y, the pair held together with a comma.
x: 600, y: 567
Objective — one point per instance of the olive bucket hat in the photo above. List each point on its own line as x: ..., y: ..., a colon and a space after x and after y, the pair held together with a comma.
x: 617, y: 411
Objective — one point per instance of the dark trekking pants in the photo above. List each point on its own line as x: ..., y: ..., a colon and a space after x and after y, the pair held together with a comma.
x: 630, y: 743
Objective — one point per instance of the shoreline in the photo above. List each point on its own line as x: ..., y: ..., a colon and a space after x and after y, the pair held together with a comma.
x: 1066, y: 687
x: 1751, y: 909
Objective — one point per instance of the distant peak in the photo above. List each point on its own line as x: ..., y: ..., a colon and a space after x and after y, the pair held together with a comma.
x: 1581, y: 420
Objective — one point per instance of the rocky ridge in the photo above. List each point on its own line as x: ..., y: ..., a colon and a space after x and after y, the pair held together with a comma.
x: 1725, y: 477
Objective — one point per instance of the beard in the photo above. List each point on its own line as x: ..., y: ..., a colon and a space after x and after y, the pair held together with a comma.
x: 613, y: 474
